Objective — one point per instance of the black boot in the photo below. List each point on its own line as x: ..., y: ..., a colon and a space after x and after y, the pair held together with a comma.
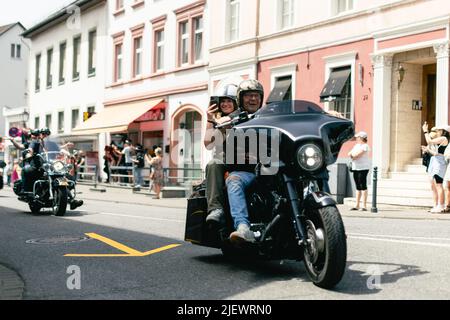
x: 75, y: 204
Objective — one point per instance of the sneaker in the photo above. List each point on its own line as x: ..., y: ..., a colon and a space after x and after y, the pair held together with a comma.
x: 242, y: 234
x: 363, y: 209
x: 437, y: 209
x: 354, y: 209
x: 216, y: 216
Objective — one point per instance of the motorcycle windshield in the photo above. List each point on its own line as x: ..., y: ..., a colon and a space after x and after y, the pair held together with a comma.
x: 303, y: 120
x: 53, y: 156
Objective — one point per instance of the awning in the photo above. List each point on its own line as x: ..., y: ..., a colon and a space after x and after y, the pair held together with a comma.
x: 115, y: 118
x: 335, y: 85
x: 281, y: 91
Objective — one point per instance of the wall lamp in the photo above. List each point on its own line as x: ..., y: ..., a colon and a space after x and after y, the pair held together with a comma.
x: 400, y: 74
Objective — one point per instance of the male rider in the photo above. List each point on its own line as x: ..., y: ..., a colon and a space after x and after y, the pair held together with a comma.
x: 250, y: 95
x: 51, y: 146
x: 31, y: 163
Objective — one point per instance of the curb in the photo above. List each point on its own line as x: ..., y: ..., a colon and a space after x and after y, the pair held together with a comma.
x: 11, y: 285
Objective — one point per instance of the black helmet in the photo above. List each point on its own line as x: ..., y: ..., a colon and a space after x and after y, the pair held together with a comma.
x: 247, y: 86
x: 46, y: 131
x: 35, y: 132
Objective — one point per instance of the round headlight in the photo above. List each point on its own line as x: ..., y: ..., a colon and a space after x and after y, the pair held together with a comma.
x: 310, y: 157
x: 58, y: 166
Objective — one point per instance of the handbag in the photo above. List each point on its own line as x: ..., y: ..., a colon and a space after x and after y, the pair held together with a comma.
x: 426, y: 159
x: 350, y: 166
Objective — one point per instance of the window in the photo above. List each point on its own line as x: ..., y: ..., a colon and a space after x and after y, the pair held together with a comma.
x: 16, y: 51
x: 36, y: 122
x: 49, y: 67
x: 62, y: 62
x: 233, y: 20
x: 119, y: 5
x: 190, y: 34
x: 61, y: 122
x: 75, y: 118
x: 118, y: 62
x: 38, y: 70
x: 159, y: 50
x: 286, y: 13
x: 184, y: 43
x: 344, y: 5
x: 137, y: 61
x: 198, y: 38
x: 190, y: 44
x: 76, y: 58
x: 343, y: 104
x: 92, y: 52
x: 48, y: 121
x: 90, y: 111
x: 282, y: 89
x: 338, y: 91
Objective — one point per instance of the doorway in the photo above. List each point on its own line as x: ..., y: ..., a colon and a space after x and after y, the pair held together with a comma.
x: 429, y: 97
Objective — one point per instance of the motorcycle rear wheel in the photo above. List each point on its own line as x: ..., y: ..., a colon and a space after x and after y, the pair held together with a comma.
x: 326, y: 253
x: 60, y: 202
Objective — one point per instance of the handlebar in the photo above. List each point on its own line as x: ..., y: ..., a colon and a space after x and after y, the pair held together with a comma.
x: 242, y: 117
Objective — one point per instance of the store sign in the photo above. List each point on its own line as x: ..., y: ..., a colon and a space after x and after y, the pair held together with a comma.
x: 153, y: 115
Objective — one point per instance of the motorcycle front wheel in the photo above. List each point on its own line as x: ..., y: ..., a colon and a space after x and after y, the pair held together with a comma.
x: 326, y: 252
x: 60, y: 202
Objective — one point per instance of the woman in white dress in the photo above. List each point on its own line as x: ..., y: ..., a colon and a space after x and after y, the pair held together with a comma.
x: 437, y: 167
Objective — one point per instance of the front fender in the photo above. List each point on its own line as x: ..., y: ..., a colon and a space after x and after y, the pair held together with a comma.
x: 60, y: 182
x: 319, y: 200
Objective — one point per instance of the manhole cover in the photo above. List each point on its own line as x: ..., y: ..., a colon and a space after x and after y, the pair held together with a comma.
x: 58, y: 240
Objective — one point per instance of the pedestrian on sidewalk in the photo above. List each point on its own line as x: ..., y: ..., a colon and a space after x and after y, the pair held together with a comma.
x: 437, y: 167
x: 139, y: 164
x: 127, y: 150
x: 360, y: 167
x: 157, y: 176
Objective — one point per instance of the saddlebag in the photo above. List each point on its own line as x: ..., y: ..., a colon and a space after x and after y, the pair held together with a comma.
x: 18, y: 186
x: 196, y: 229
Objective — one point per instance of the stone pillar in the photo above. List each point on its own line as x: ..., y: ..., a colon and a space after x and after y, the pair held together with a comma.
x: 442, y: 82
x: 382, y: 82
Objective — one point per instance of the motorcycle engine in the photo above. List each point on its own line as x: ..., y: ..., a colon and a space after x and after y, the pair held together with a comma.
x: 260, y: 207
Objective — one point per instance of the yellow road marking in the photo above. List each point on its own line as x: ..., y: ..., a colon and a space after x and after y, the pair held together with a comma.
x: 129, y: 252
x: 113, y: 243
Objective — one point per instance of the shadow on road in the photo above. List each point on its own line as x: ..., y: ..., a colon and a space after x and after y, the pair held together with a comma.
x: 369, y: 277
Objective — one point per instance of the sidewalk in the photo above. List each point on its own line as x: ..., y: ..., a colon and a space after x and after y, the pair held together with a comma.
x: 126, y: 195
x: 11, y: 285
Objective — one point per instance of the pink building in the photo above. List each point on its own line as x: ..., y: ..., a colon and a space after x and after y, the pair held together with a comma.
x: 382, y: 63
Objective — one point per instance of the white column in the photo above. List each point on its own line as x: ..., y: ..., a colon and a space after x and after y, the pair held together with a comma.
x: 442, y: 82
x: 382, y: 82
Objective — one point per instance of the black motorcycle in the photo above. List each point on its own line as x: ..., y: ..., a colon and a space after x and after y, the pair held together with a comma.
x: 290, y: 216
x: 51, y: 188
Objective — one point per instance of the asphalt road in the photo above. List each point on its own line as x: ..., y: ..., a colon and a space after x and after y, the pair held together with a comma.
x: 387, y: 258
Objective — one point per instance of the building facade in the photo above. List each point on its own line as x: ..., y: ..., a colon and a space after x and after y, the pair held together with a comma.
x: 14, y: 52
x: 382, y: 64
x: 157, y: 79
x: 67, y: 73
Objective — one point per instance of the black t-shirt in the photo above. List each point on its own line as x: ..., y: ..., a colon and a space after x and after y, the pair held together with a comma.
x: 140, y: 159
